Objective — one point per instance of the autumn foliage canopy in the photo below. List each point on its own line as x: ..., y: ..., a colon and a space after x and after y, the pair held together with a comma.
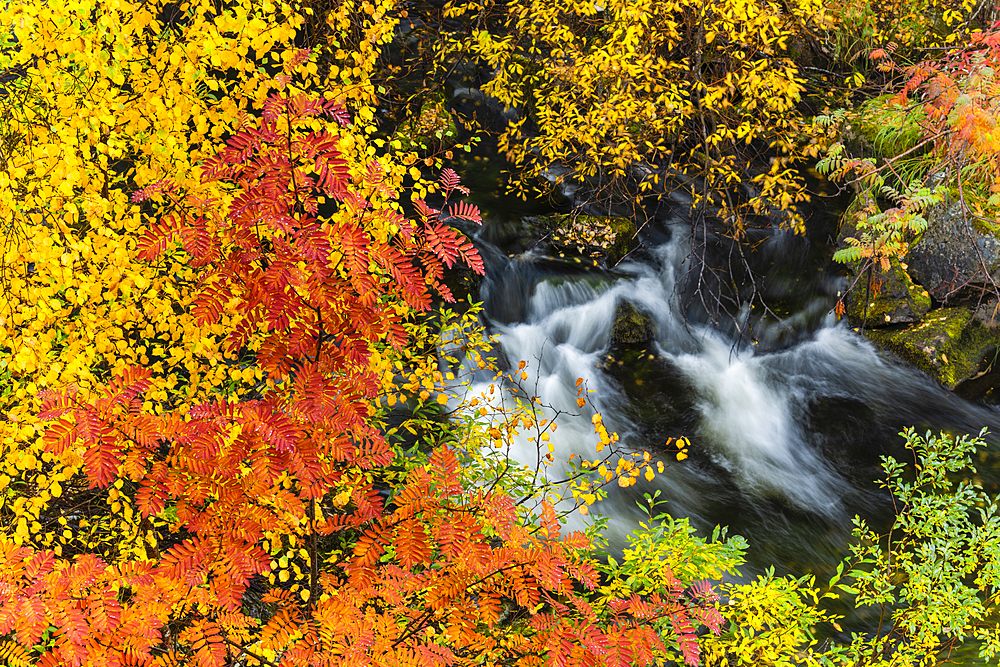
x: 233, y: 424
x: 199, y: 468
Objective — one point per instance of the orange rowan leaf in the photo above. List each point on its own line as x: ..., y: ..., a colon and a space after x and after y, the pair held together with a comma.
x: 206, y: 642
x: 101, y: 460
x: 104, y: 611
x: 185, y: 561
x: 30, y: 622
x: 412, y: 544
x: 151, y: 497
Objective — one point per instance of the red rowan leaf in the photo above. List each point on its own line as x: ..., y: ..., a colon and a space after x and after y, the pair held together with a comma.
x: 427, y: 213
x: 128, y: 384
x: 468, y: 254
x: 273, y: 425
x: 298, y: 58
x: 210, y: 303
x: 465, y: 211
x: 337, y: 111
x: 449, y: 180
x: 710, y: 617
x: 686, y: 638
x: 702, y: 590
x: 435, y: 655
x: 375, y: 178
x: 443, y: 241
x: 407, y: 277
x: 56, y: 403
x: 59, y: 437
x: 316, y: 396
x: 101, y: 461
x: 165, y: 186
x: 155, y: 240
x: 199, y: 243
x: 274, y: 108
x: 333, y: 174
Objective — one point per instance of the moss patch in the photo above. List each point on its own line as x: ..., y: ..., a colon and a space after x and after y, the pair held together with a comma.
x: 631, y: 326
x: 888, y: 128
x: 984, y: 226
x: 946, y: 343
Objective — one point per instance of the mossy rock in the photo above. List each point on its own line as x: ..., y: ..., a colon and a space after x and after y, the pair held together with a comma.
x: 899, y: 300
x: 632, y: 327
x: 433, y: 128
x: 947, y: 343
x: 593, y: 235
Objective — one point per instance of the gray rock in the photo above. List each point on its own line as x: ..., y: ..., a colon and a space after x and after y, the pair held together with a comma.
x: 988, y: 314
x: 944, y: 258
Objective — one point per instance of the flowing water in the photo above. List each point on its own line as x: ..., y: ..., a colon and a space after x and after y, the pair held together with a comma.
x: 785, y: 434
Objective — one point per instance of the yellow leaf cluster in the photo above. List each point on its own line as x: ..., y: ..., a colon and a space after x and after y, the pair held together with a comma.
x: 605, y: 87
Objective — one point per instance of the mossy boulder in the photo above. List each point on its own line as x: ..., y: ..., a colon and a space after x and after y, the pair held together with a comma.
x: 632, y: 326
x: 897, y: 301
x: 592, y: 235
x: 947, y: 343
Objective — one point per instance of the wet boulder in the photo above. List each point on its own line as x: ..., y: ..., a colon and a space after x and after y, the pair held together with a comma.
x: 478, y: 111
x: 948, y: 343
x: 632, y: 326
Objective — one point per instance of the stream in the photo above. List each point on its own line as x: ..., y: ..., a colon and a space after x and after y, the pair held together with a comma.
x: 786, y: 433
